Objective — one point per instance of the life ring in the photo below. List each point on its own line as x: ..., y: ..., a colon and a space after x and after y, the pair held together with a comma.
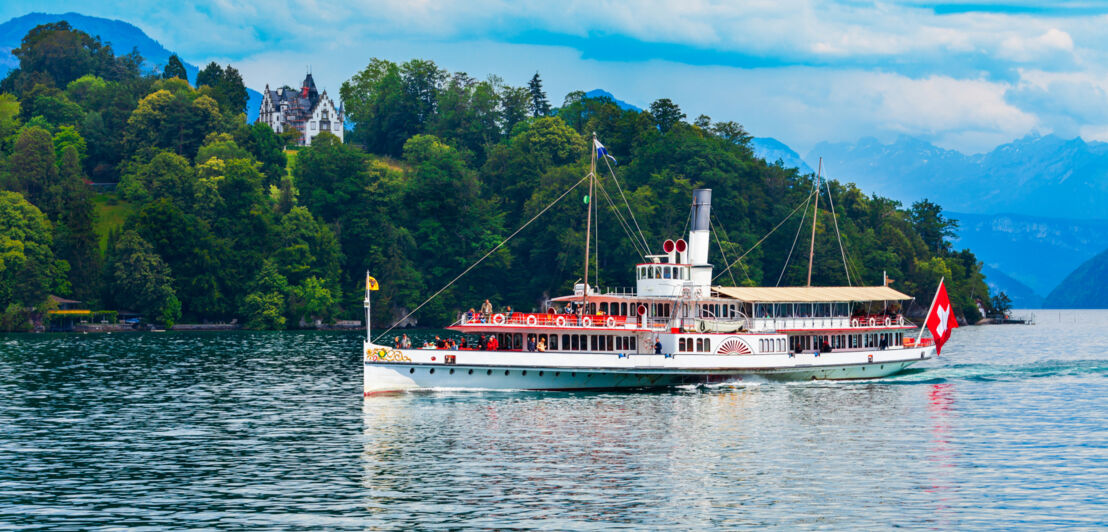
x: 532, y: 320
x: 872, y: 322
x: 586, y: 322
x: 560, y: 321
x: 854, y: 322
x: 888, y: 321
x: 900, y: 320
x: 610, y: 322
x: 498, y: 319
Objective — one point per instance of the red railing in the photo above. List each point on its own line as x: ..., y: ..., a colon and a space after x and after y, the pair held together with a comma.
x: 529, y: 319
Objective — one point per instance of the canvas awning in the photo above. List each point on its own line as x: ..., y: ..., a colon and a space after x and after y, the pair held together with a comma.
x: 809, y: 294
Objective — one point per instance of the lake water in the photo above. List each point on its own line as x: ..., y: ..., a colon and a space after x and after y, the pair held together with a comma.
x: 1008, y: 429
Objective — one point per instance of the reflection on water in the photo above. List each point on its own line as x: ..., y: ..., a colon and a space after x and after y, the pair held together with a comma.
x: 1007, y: 430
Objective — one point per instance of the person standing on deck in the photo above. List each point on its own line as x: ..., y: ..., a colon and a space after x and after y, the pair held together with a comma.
x: 486, y: 309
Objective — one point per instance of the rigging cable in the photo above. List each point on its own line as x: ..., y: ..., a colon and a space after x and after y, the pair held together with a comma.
x: 838, y: 236
x: 722, y: 253
x: 795, y: 238
x: 764, y: 237
x: 623, y: 223
x: 625, y: 202
x: 491, y: 251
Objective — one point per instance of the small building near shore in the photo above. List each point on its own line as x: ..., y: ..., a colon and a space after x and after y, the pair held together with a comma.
x: 305, y: 110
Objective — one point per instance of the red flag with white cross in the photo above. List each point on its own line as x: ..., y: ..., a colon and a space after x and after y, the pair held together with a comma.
x: 941, y: 319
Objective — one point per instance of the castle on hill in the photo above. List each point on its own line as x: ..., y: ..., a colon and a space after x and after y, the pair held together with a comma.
x: 304, y: 110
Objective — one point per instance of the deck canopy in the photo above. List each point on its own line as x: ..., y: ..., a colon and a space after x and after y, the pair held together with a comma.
x: 806, y: 294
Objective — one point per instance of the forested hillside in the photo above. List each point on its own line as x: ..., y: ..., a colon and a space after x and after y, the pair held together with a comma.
x: 214, y: 220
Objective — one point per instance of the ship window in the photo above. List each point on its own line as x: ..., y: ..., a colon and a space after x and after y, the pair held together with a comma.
x: 666, y: 272
x: 680, y: 344
x: 518, y: 341
x: 592, y: 342
x: 553, y: 345
x: 632, y: 343
x: 603, y: 308
x: 576, y: 342
x: 623, y: 309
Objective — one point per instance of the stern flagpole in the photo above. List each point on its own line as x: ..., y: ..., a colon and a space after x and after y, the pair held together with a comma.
x: 367, y: 309
x: 929, y: 309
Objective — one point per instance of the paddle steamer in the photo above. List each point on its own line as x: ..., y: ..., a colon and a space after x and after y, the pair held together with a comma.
x: 674, y: 328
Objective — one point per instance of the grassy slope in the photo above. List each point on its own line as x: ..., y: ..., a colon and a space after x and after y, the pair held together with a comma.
x: 110, y: 214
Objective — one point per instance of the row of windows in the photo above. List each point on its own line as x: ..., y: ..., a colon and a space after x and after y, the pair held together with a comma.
x: 771, y: 345
x: 846, y: 341
x: 570, y: 342
x: 801, y: 310
x: 326, y: 125
x: 719, y: 310
x: 663, y: 272
x: 702, y: 345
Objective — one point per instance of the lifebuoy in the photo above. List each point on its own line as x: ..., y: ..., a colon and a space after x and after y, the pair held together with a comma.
x: 610, y: 322
x: 560, y: 321
x: 872, y: 322
x: 900, y: 320
x: 498, y: 319
x: 532, y: 320
x: 854, y: 322
x: 586, y: 322
x: 888, y: 321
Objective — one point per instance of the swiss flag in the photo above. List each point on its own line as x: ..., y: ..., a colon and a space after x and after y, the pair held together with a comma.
x: 941, y: 320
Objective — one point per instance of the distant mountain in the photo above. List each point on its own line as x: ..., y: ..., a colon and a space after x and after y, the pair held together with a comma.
x: 1037, y: 175
x: 601, y: 93
x: 1035, y: 251
x: 773, y: 150
x: 1084, y: 288
x: 123, y: 37
x: 1021, y: 295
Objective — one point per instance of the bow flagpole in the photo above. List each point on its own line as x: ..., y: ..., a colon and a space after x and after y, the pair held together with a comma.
x: 370, y: 285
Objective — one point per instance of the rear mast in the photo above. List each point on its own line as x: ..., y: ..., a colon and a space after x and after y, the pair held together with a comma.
x: 588, y: 222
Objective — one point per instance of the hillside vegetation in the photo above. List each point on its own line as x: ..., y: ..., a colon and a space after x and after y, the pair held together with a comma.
x: 439, y: 169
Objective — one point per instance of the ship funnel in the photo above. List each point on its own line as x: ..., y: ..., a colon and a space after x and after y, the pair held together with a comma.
x: 698, y: 235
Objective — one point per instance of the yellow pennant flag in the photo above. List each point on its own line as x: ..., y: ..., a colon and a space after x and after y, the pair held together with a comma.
x: 370, y: 283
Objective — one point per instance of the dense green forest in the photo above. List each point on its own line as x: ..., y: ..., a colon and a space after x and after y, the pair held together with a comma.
x: 214, y: 219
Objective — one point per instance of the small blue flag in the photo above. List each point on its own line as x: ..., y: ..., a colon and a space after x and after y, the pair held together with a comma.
x: 601, y: 151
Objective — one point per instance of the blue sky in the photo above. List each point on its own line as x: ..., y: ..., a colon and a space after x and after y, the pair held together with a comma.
x: 964, y: 75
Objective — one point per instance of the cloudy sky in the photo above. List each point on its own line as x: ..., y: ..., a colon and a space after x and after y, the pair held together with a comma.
x: 967, y: 76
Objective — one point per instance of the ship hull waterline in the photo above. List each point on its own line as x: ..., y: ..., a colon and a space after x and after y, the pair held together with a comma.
x: 629, y: 372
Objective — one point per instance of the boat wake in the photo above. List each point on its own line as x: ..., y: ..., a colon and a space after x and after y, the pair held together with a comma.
x: 1000, y: 372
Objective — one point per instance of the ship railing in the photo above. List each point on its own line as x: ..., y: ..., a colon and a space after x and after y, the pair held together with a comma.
x: 546, y: 319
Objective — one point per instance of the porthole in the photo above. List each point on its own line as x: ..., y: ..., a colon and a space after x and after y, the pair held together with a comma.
x: 557, y: 374
x: 432, y: 371
x: 541, y: 373
x: 506, y: 372
x: 882, y: 366
x: 411, y: 370
x: 451, y: 371
x: 471, y: 372
x: 524, y: 373
x: 489, y: 372
x: 574, y: 374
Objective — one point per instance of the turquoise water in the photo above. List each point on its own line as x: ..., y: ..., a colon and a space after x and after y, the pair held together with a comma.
x: 1008, y: 429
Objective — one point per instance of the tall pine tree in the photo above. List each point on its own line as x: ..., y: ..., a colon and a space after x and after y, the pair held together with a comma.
x: 540, y: 106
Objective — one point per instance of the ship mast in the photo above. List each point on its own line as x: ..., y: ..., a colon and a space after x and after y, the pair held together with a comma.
x: 815, y: 212
x: 588, y: 218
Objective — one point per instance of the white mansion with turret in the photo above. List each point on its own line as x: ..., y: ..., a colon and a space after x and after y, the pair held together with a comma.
x: 306, y: 111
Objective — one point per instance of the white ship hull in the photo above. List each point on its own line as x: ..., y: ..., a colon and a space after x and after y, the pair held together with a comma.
x: 414, y: 369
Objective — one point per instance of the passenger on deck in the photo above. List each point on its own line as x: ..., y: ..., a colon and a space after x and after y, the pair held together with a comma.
x: 494, y: 344
x: 396, y: 342
x: 486, y: 308
x: 884, y: 344
x: 439, y: 343
x: 464, y: 344
x: 824, y: 347
x: 531, y: 347
x: 482, y: 343
x: 470, y: 314
x: 508, y: 313
x: 542, y: 345
x: 657, y: 346
x: 405, y: 342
